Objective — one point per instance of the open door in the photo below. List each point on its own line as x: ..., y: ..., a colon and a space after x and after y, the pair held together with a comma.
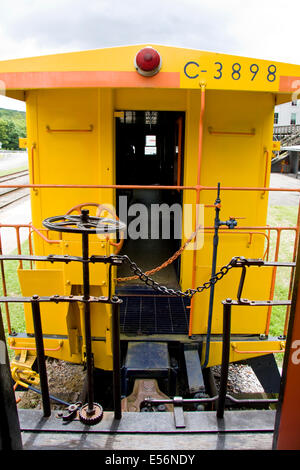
x: 149, y: 151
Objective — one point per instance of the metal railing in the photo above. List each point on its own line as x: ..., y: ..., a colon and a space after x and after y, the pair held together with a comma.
x: 251, y: 231
x: 286, y: 130
x: 86, y: 299
x: 222, y: 399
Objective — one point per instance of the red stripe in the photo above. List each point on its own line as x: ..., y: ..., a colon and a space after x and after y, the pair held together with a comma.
x: 78, y: 79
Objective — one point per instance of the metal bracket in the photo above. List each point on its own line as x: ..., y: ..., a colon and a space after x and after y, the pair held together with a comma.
x: 178, y: 412
x: 193, y: 368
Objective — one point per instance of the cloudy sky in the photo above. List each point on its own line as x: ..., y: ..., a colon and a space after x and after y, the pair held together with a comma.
x: 264, y: 29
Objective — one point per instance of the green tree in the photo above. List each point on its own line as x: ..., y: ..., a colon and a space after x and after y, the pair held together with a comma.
x: 10, y: 133
x: 3, y: 133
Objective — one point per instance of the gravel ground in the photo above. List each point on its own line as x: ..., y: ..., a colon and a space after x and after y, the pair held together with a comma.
x: 65, y: 381
x: 241, y: 379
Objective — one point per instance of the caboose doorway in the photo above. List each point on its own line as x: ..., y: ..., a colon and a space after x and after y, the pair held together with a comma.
x: 149, y: 151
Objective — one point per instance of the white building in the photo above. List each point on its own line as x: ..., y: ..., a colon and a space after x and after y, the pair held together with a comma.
x: 287, y: 130
x: 287, y: 114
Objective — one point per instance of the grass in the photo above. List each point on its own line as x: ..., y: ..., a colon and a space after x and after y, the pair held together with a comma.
x: 282, y: 216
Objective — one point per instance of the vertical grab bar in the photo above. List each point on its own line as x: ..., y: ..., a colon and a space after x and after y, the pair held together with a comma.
x: 225, y: 357
x: 266, y: 152
x: 38, y: 334
x: 116, y: 360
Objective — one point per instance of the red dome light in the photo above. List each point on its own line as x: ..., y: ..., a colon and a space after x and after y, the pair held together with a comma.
x: 147, y: 61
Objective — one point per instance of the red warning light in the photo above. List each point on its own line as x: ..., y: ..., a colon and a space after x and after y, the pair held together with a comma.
x: 147, y: 62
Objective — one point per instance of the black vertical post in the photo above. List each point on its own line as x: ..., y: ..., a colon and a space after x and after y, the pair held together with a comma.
x: 116, y: 360
x: 225, y: 357
x: 213, y: 272
x: 87, y: 320
x: 39, y: 342
x: 10, y: 434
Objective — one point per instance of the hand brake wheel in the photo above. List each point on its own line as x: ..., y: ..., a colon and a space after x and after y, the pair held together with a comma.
x: 83, y: 223
x: 90, y: 413
x: 100, y: 209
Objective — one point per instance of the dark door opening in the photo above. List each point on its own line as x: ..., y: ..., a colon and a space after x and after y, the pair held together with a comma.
x: 149, y: 151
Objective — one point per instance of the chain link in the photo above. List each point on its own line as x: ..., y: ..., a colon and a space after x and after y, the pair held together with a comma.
x: 167, y: 262
x: 176, y: 292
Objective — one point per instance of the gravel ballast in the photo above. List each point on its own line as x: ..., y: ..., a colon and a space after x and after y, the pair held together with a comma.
x: 66, y: 381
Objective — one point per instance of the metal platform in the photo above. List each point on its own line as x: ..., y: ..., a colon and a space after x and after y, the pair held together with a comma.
x: 203, y: 430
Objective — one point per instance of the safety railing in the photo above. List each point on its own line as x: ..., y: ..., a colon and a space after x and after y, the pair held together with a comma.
x: 178, y: 402
x: 92, y: 415
x: 252, y: 231
x: 223, y: 399
x: 42, y: 233
x: 92, y: 412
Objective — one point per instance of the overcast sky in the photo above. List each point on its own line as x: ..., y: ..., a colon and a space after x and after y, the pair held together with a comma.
x: 263, y: 29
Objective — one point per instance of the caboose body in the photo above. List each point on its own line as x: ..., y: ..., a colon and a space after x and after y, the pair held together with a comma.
x: 102, y: 132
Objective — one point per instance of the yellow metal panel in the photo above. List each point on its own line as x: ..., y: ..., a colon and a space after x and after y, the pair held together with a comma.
x: 233, y: 160
x: 65, y: 155
x: 101, y: 359
x: 73, y: 271
x: 72, y: 154
x: 156, y: 100
x: 45, y: 283
x: 23, y: 143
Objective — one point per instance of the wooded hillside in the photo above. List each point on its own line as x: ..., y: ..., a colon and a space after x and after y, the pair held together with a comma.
x: 12, y: 126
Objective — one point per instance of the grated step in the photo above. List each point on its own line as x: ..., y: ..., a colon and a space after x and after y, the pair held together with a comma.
x: 150, y: 314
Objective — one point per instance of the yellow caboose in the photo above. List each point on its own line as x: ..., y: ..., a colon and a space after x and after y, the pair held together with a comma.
x: 139, y: 133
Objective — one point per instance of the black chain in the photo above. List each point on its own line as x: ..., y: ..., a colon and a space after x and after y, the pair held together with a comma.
x: 166, y: 290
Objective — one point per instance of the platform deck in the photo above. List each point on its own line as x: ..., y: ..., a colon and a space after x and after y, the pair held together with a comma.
x: 239, y: 430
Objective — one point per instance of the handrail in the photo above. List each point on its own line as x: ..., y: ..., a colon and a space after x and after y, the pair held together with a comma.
x: 91, y: 128
x: 199, y: 163
x: 246, y: 133
x: 17, y: 348
x: 268, y: 351
x: 266, y: 152
x: 33, y: 148
x: 149, y: 186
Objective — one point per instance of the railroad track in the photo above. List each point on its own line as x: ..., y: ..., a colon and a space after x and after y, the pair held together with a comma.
x: 10, y: 195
